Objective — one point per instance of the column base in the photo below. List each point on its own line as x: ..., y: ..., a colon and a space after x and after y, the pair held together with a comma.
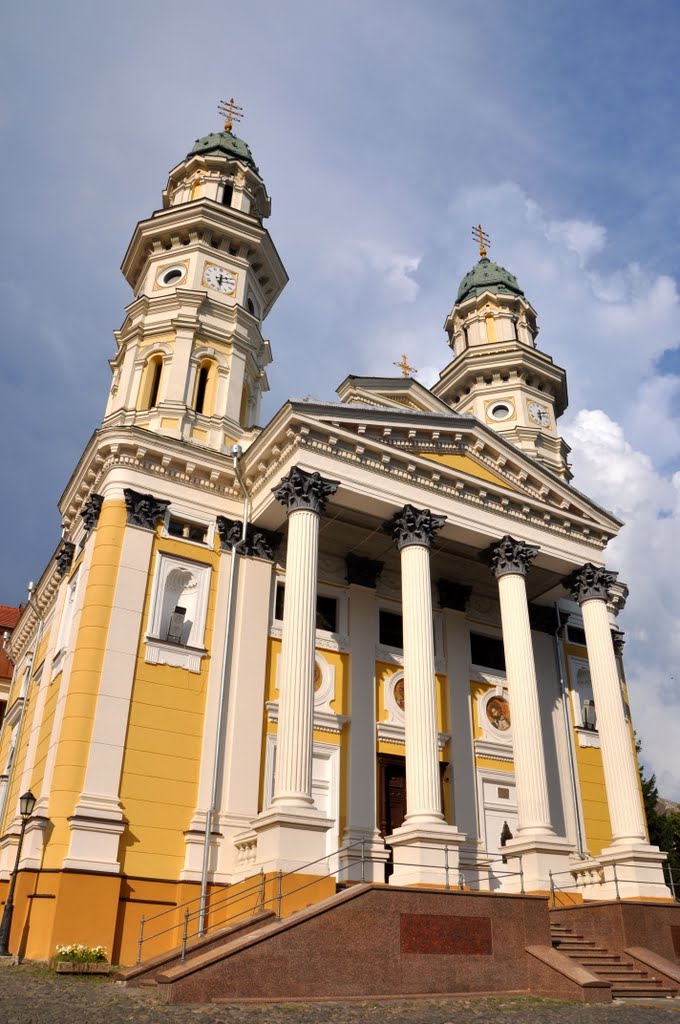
x: 365, y: 864
x: 289, y: 840
x: 426, y: 854
x: 633, y: 871
x: 96, y: 827
x: 539, y: 856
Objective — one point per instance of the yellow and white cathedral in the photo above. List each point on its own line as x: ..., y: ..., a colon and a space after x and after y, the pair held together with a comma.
x: 379, y: 624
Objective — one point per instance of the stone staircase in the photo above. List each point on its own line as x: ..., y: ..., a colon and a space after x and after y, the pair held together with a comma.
x: 627, y: 979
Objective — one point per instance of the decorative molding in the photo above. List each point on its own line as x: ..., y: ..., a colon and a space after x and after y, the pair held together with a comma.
x: 302, y: 490
x: 91, y: 510
x: 259, y: 543
x: 143, y: 509
x: 159, y: 652
x: 453, y: 595
x: 590, y: 582
x: 412, y: 526
x: 324, y: 721
x: 509, y: 556
x: 587, y: 737
x: 64, y: 557
x: 363, y: 572
x: 390, y: 732
x: 619, y: 641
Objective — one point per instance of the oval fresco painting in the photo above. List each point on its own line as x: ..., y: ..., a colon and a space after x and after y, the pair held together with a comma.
x: 318, y: 676
x: 399, y: 694
x: 498, y: 713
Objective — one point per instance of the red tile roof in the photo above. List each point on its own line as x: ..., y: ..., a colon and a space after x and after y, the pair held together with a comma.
x: 9, y: 616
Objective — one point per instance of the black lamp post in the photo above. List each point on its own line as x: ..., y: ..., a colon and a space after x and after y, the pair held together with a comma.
x: 26, y: 805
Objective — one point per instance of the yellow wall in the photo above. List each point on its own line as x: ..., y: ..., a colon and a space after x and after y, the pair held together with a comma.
x: 161, y: 764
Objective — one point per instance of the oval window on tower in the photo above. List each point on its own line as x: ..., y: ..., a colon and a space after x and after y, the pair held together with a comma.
x: 171, y: 275
x: 500, y: 410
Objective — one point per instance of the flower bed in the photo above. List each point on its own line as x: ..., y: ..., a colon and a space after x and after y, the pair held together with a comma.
x: 79, y: 959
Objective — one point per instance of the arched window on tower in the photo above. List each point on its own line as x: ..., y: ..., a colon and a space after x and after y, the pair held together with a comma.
x: 151, y: 382
x: 228, y: 194
x: 204, y: 393
x: 252, y: 306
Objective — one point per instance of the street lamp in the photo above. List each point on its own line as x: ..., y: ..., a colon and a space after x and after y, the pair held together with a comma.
x: 26, y: 805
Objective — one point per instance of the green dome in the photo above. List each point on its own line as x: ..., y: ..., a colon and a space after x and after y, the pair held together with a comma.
x: 486, y: 276
x: 225, y: 142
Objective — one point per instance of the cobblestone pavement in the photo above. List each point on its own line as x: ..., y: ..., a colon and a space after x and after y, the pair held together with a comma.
x: 31, y: 994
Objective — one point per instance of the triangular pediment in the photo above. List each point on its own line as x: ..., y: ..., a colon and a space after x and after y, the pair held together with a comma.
x: 446, y: 453
x: 390, y: 393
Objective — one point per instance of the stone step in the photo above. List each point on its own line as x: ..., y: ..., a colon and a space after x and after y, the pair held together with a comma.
x: 642, y: 990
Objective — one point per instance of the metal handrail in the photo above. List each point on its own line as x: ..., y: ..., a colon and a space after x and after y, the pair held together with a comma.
x: 277, y: 898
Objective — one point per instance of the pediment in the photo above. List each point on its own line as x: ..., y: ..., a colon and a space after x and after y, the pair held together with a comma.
x: 454, y: 455
x: 390, y: 393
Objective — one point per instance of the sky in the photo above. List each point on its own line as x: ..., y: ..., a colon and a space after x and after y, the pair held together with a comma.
x: 383, y: 129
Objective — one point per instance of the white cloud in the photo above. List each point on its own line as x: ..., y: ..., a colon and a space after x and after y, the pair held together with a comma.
x: 624, y: 480
x: 362, y: 262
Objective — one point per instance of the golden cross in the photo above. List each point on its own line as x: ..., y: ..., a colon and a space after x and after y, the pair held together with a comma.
x: 404, y: 366
x: 230, y: 112
x: 480, y: 236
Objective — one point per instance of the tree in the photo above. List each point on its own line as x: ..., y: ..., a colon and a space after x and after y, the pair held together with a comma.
x: 663, y: 825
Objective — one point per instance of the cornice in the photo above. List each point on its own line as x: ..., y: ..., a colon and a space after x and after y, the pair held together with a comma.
x: 387, y: 459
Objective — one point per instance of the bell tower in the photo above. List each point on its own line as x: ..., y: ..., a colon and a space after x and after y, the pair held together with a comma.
x: 497, y: 373
x: 191, y: 361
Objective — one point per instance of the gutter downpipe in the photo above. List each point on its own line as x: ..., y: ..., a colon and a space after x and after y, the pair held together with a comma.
x: 25, y: 691
x: 569, y: 735
x: 236, y: 550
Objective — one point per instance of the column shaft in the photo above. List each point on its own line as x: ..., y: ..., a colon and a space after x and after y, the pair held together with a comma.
x: 620, y: 770
x: 294, y: 747
x: 423, y: 791
x: 532, y: 792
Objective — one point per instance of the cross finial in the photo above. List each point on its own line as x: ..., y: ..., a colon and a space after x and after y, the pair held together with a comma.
x: 230, y: 112
x: 403, y: 365
x: 481, y: 238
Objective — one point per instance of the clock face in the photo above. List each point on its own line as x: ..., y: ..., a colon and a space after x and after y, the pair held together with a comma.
x: 220, y: 279
x: 538, y: 414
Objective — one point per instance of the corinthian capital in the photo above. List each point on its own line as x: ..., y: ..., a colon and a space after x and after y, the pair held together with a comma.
x: 509, y: 556
x: 305, y: 490
x: 65, y: 557
x: 413, y: 526
x: 90, y: 511
x: 591, y: 582
x: 143, y: 509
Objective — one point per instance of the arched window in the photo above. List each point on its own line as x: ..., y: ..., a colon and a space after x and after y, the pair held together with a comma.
x: 228, y: 194
x: 151, y: 382
x: 204, y: 393
x: 252, y: 306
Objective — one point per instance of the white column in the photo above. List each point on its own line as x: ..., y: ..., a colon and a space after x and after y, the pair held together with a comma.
x: 361, y: 831
x: 292, y: 832
x: 296, y: 704
x: 421, y: 845
x: 535, y: 841
x: 423, y: 785
x: 638, y: 865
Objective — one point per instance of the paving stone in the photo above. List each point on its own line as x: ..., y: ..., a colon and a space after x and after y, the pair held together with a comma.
x: 32, y: 994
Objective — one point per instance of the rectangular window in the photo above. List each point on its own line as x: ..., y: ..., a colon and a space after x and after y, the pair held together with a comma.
x: 326, y: 613
x: 487, y: 651
x: 187, y: 530
x: 390, y: 629
x: 326, y: 609
x: 576, y: 635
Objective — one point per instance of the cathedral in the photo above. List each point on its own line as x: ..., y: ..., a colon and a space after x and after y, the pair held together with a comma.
x: 374, y: 638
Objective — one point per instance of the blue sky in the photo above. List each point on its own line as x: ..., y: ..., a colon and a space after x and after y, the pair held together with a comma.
x: 383, y: 131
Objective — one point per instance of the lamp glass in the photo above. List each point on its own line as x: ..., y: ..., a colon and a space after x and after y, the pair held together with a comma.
x: 26, y: 804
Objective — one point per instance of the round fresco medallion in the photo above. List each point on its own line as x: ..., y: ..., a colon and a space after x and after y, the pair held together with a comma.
x: 498, y: 713
x: 318, y: 676
x: 399, y: 694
